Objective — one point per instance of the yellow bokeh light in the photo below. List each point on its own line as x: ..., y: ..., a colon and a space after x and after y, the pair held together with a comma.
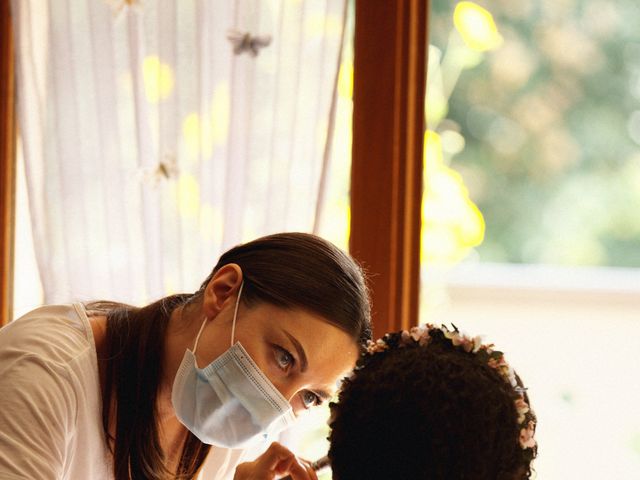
x: 204, y: 132
x: 451, y: 223
x: 158, y: 79
x: 345, y: 80
x: 195, y: 135
x: 188, y: 196
x: 476, y: 26
x: 337, y: 226
x: 322, y: 25
x: 437, y: 106
x: 433, y: 159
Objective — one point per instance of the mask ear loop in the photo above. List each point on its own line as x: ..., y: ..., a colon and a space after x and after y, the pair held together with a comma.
x: 195, y: 345
x: 233, y: 325
x: 235, y: 313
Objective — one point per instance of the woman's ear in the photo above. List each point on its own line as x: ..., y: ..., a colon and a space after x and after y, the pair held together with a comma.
x: 221, y: 289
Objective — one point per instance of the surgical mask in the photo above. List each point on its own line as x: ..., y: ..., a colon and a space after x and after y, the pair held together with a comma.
x: 230, y: 402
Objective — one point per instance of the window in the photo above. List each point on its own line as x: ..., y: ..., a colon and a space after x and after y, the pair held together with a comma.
x: 538, y: 113
x: 530, y: 233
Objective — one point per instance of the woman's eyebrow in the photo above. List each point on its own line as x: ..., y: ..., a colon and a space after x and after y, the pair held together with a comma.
x: 301, y: 353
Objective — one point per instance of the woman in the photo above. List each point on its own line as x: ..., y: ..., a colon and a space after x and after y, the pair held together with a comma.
x: 111, y: 391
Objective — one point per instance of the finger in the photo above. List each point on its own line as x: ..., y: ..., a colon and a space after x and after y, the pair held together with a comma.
x: 298, y: 471
x: 274, y: 460
x: 307, y: 464
x: 274, y: 456
x: 311, y: 472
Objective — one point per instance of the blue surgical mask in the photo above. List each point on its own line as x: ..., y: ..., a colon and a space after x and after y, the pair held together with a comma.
x: 231, y: 401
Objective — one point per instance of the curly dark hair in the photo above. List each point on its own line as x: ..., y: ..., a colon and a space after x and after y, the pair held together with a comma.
x: 427, y: 412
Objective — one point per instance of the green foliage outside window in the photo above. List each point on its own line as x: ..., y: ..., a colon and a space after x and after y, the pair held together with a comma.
x: 542, y: 124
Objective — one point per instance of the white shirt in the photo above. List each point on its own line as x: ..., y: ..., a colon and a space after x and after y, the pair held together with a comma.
x: 51, y: 406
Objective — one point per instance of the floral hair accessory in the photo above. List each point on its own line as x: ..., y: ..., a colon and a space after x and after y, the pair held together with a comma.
x: 423, y: 335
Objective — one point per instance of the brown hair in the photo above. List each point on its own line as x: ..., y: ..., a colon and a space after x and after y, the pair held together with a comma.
x: 289, y: 270
x: 304, y: 271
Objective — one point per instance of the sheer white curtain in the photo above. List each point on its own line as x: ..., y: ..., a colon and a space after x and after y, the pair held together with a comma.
x: 158, y: 133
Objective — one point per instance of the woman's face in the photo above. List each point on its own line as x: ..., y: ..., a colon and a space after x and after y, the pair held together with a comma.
x: 300, y: 352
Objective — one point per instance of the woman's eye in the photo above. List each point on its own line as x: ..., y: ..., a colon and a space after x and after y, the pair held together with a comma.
x: 310, y: 399
x: 284, y: 359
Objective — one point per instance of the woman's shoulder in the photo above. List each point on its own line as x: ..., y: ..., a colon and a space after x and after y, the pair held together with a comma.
x: 50, y: 395
x: 55, y: 333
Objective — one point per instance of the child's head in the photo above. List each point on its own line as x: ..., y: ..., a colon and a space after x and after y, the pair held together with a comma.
x: 432, y: 404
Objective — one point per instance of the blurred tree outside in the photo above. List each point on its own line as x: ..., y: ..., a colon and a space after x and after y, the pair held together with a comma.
x: 533, y: 137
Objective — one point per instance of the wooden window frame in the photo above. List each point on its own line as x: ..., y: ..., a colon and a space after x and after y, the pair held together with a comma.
x: 7, y: 162
x: 390, y: 58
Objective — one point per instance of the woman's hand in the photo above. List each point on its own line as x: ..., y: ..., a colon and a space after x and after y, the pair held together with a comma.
x: 276, y: 462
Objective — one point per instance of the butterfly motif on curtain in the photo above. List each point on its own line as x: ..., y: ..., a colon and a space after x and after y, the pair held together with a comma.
x: 245, y: 42
x: 165, y: 170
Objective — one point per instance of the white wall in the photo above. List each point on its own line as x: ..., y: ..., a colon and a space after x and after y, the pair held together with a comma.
x: 574, y: 336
